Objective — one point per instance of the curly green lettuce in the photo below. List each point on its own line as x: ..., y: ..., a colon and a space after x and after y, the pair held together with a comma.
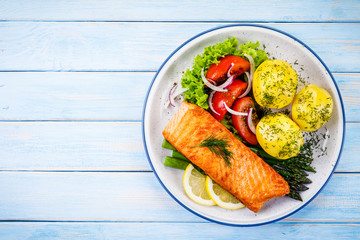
x: 191, y: 79
x: 253, y: 50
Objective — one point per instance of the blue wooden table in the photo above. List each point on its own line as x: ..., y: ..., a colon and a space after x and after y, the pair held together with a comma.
x: 73, y: 78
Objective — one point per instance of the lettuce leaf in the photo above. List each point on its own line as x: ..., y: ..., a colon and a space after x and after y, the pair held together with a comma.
x: 253, y: 50
x: 191, y: 78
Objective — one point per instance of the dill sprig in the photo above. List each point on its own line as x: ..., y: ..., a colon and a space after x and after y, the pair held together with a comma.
x: 219, y: 147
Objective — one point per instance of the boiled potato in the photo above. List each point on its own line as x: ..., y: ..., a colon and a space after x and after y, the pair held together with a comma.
x: 312, y: 108
x: 279, y: 136
x: 274, y: 84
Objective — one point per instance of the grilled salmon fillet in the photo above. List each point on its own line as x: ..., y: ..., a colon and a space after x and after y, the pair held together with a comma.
x: 248, y: 178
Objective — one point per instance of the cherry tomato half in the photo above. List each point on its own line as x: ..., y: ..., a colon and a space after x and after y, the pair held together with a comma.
x: 217, y: 72
x: 240, y: 122
x: 236, y: 88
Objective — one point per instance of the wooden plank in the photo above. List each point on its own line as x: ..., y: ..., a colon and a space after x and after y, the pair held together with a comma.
x: 349, y: 161
x: 128, y: 196
x: 72, y: 146
x: 166, y: 230
x: 119, y: 46
x: 349, y: 86
x: 103, y: 96
x: 186, y: 11
x: 104, y: 146
x: 73, y: 96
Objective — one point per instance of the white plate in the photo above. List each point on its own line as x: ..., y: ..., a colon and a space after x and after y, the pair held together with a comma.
x: 279, y: 45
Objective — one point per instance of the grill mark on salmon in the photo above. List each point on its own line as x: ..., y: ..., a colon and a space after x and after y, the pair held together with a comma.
x: 249, y: 178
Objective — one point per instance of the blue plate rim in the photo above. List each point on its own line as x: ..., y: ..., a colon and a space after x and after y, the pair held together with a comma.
x: 143, y: 124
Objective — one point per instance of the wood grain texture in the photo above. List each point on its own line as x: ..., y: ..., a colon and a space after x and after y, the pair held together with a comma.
x: 105, y: 146
x: 103, y: 96
x: 138, y: 197
x: 73, y: 77
x: 72, y: 146
x: 139, y: 46
x: 73, y: 96
x: 111, y: 10
x: 279, y: 230
x: 349, y: 85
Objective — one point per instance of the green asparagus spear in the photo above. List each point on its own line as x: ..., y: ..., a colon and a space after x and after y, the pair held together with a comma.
x: 294, y: 194
x: 167, y: 145
x: 175, y: 163
x: 178, y: 155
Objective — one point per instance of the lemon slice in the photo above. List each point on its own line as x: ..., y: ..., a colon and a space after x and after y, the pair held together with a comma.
x: 222, y: 197
x: 194, y: 185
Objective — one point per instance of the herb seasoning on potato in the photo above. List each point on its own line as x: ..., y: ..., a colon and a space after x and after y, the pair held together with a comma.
x: 312, y: 108
x: 274, y: 84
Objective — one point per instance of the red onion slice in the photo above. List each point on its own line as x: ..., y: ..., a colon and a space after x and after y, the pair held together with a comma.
x: 230, y: 67
x: 171, y: 92
x: 211, y: 81
x: 250, y: 122
x: 248, y: 88
x: 227, y: 82
x: 210, y: 102
x: 211, y: 86
x: 252, y: 64
x: 234, y: 112
x: 249, y: 77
